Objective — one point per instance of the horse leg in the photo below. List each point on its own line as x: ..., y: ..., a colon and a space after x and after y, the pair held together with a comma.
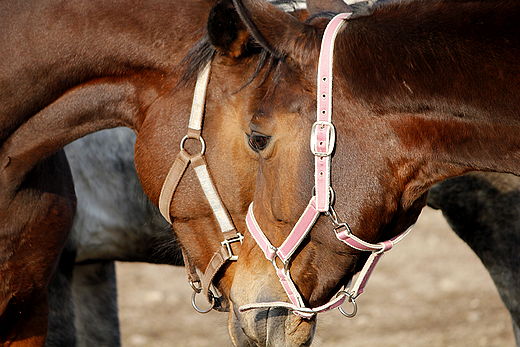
x: 517, y: 333
x: 95, y: 299
x: 37, y: 202
x: 34, y: 224
x: 62, y: 331
x: 24, y: 324
x: 482, y: 208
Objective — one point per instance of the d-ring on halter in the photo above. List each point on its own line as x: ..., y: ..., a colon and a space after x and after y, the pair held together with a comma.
x: 322, y: 146
x: 224, y: 252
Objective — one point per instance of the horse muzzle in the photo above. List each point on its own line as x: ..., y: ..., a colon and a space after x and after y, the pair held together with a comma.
x: 274, y: 326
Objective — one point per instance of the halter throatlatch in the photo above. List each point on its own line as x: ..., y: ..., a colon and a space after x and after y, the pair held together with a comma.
x: 183, y: 159
x: 322, y: 146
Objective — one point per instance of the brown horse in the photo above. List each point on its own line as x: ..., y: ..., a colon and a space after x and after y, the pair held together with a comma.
x: 68, y: 69
x: 422, y: 91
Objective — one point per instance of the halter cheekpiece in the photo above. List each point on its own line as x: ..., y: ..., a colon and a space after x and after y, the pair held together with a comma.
x: 224, y: 253
x: 322, y: 146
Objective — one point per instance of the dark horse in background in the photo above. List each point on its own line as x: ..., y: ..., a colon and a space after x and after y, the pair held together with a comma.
x: 483, y: 208
x: 68, y: 69
x: 422, y: 91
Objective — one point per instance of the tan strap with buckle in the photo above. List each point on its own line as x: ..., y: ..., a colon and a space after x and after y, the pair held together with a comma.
x: 177, y: 170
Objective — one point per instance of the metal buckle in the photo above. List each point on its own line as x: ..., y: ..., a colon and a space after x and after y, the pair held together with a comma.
x: 227, y: 243
x: 330, y: 141
x: 196, y: 286
x: 284, y: 262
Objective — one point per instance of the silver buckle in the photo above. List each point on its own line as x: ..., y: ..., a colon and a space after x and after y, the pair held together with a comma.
x: 227, y: 243
x: 330, y: 141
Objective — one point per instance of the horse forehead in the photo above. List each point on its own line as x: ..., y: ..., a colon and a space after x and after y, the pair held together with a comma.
x: 288, y: 92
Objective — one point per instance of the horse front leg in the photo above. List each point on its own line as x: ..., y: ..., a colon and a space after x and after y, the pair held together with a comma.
x: 62, y: 329
x: 34, y: 226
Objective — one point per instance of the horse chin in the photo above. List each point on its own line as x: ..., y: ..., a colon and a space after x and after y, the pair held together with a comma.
x: 269, y: 327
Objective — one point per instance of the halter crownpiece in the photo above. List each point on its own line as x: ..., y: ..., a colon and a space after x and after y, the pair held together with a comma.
x: 322, y: 146
x: 323, y: 132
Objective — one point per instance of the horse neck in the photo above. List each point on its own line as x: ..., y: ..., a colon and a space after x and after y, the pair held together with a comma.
x: 446, y: 77
x: 69, y: 44
x: 97, y: 65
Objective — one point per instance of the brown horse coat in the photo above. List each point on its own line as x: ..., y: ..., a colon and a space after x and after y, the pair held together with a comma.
x: 422, y: 91
x: 68, y: 69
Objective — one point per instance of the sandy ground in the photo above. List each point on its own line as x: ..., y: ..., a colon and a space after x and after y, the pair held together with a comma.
x: 430, y: 290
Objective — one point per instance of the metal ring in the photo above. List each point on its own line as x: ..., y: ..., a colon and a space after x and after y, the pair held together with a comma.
x: 202, y: 143
x: 332, y: 195
x: 275, y: 265
x: 352, y: 300
x: 195, y: 304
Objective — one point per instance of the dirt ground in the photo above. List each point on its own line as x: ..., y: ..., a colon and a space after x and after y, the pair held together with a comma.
x: 430, y: 290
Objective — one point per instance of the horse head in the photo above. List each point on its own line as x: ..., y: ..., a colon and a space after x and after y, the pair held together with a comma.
x: 229, y: 164
x: 398, y: 126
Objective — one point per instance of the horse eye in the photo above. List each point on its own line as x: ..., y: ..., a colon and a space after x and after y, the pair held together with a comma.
x: 258, y: 141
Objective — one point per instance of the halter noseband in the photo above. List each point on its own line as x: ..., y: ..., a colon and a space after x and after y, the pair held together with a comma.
x: 322, y: 145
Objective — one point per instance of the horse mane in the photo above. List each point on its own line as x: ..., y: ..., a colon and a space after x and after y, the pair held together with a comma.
x: 195, y: 60
x: 458, y: 52
x: 203, y: 51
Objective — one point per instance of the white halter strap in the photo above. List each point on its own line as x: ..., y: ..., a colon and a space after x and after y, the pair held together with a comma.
x: 322, y: 146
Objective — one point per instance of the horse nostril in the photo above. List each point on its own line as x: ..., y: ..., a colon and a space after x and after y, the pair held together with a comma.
x: 274, y: 327
x: 283, y: 328
x: 261, y: 327
x: 300, y: 330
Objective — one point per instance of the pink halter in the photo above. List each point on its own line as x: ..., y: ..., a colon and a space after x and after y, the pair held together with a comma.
x: 322, y: 145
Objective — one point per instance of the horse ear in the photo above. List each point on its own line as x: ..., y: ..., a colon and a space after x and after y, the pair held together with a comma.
x: 317, y: 6
x: 277, y: 31
x: 226, y: 31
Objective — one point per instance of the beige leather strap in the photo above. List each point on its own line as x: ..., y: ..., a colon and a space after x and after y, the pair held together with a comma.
x: 191, y: 270
x: 197, y: 106
x: 183, y: 158
x: 212, y: 195
x: 172, y: 181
